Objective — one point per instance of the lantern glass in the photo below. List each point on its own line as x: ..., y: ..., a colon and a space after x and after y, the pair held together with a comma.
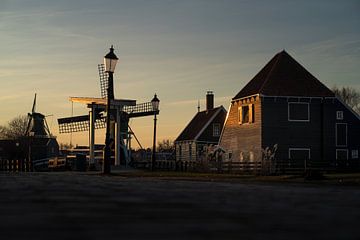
x: 155, y: 103
x: 110, y: 61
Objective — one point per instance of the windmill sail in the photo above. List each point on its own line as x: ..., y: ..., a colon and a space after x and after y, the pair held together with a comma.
x: 103, y: 80
x: 34, y: 105
x: 30, y: 116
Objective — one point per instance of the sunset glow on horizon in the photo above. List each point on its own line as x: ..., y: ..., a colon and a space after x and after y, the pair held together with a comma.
x: 176, y: 49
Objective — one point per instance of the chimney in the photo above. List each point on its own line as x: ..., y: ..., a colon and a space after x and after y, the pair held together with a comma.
x: 209, y: 100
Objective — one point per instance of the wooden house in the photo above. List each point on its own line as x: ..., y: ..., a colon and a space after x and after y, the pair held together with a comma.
x: 203, y: 130
x: 286, y: 112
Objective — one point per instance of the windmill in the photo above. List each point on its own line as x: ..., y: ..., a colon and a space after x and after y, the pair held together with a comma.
x: 121, y: 111
x: 41, y: 144
x: 37, y: 125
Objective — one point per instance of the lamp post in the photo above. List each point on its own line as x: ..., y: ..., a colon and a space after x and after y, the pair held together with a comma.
x: 155, y: 104
x: 110, y: 61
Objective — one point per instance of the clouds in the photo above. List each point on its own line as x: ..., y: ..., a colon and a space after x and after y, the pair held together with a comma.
x: 178, y: 49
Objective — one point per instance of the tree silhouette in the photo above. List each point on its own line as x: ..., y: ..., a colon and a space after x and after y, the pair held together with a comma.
x: 166, y: 145
x: 15, y: 128
x: 350, y: 96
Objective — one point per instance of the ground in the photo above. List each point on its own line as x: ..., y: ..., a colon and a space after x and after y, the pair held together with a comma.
x: 71, y: 205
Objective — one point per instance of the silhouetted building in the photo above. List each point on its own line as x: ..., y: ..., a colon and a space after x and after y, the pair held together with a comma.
x: 203, y: 130
x: 287, y: 107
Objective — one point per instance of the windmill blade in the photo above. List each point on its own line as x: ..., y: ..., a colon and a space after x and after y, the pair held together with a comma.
x: 28, y: 125
x: 34, y: 105
x: 104, y: 82
x: 140, y: 110
x: 80, y: 123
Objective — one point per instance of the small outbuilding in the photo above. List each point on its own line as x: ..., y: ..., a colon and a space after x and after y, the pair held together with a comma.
x: 202, y: 131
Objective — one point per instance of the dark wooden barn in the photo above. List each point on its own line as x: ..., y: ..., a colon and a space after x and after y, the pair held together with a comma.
x: 286, y: 113
x: 203, y: 130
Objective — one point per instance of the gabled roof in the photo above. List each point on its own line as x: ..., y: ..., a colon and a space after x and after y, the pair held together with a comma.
x: 284, y: 76
x: 198, y: 124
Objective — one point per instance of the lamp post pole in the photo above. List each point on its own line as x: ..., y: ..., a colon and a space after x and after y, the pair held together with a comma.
x: 110, y: 63
x: 154, y: 146
x: 155, y: 104
x: 108, y: 140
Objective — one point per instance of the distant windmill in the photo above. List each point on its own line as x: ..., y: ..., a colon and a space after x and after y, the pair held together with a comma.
x: 37, y: 125
x: 41, y: 145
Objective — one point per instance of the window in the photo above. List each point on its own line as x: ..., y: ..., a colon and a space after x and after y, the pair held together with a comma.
x: 298, y: 112
x: 216, y: 129
x: 299, y: 153
x: 341, y: 154
x: 341, y: 134
x: 339, y: 115
x: 354, y: 154
x: 246, y: 114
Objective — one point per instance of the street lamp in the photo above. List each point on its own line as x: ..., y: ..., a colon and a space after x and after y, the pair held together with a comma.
x: 110, y: 61
x: 155, y: 104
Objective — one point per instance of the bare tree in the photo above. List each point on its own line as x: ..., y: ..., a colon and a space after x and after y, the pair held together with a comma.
x: 350, y: 96
x: 15, y: 128
x: 166, y: 145
x: 3, y: 131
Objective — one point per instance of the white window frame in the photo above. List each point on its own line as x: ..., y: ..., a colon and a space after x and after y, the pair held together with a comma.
x: 300, y: 149
x: 218, y: 128
x: 354, y: 154
x: 342, y: 150
x: 346, y: 134
x: 339, y: 115
x: 299, y: 120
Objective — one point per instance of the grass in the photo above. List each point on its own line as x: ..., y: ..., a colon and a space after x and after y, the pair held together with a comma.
x: 328, y: 179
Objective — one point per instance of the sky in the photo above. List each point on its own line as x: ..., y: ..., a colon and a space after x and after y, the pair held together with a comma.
x: 176, y: 49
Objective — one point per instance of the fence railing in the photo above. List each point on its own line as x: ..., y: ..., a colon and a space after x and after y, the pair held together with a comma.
x: 249, y: 167
x: 15, y: 165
